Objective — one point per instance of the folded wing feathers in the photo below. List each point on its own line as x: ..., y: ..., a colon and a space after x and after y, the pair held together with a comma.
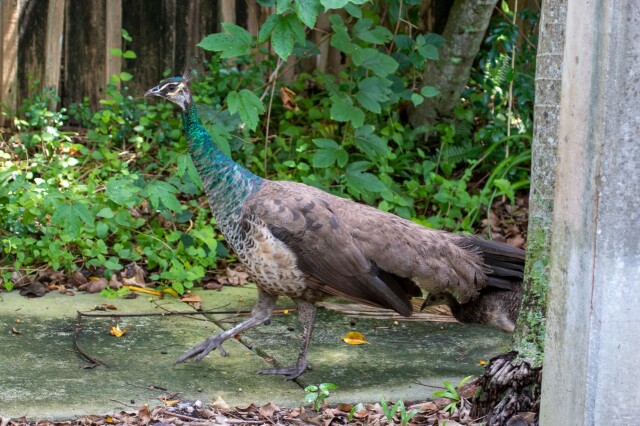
x: 361, y: 253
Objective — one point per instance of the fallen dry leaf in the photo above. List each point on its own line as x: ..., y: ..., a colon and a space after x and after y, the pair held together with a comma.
x: 287, y: 96
x: 115, y: 331
x: 268, y: 409
x: 133, y: 275
x: 220, y: 404
x: 94, y: 285
x: 354, y: 338
x: 144, y: 290
x: 15, y: 330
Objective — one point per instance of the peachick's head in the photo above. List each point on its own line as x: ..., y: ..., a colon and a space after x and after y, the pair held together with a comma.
x: 174, y: 89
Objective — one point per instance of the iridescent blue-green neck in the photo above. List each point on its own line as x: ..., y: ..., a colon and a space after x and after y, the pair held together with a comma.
x: 226, y: 183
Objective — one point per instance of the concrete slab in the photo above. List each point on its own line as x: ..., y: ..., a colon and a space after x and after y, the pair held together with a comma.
x: 41, y: 376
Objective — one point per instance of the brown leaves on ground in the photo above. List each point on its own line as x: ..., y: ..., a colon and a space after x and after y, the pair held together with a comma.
x: 508, y: 223
x: 218, y: 412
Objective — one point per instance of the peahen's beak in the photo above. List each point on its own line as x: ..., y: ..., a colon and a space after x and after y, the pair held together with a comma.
x: 155, y: 91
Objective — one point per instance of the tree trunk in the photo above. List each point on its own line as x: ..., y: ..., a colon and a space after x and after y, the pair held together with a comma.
x: 511, y: 382
x: 466, y: 26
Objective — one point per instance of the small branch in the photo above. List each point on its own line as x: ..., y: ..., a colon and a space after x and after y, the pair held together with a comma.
x: 94, y: 362
x: 266, y: 137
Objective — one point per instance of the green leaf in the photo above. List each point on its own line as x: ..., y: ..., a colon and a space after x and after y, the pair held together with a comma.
x: 70, y: 216
x: 429, y: 52
x: 282, y: 6
x: 370, y: 143
x: 342, y: 109
x: 324, y: 158
x: 235, y: 42
x: 505, y: 187
x: 286, y: 33
x: 377, y: 35
x: 340, y: 38
x: 247, y: 104
x: 106, y: 212
x: 160, y: 191
x: 122, y: 192
x: 362, y: 181
x: 125, y: 76
x: 334, y: 4
x: 429, y: 91
x: 267, y: 28
x: 378, y: 62
x: 326, y: 143
x: 129, y: 54
x: 207, y: 236
x: 307, y: 11
x: 185, y: 164
x: 116, y: 52
x: 417, y: 99
x: 372, y: 92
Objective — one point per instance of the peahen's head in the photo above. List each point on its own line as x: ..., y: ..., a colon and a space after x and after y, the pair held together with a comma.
x: 174, y: 89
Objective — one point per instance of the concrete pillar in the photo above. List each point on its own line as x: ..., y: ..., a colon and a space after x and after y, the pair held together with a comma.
x: 591, y: 372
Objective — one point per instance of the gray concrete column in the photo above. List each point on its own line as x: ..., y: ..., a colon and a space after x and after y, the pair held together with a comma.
x: 591, y: 373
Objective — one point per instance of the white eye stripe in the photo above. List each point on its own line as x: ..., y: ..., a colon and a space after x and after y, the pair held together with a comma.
x: 180, y: 87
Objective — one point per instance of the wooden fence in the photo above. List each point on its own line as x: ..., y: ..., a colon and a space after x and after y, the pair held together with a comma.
x: 67, y: 44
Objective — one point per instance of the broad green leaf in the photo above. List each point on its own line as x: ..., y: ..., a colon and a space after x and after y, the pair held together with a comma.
x: 429, y: 51
x: 185, y: 164
x: 505, y: 187
x: 340, y: 38
x: 307, y: 11
x: 429, y: 91
x: 363, y: 181
x: 282, y: 6
x: 129, y: 54
x: 324, y: 158
x: 286, y: 33
x: 417, y: 99
x: 247, y: 104
x: 207, y: 236
x: 334, y: 4
x: 116, y: 51
x: 106, y: 213
x: 370, y: 143
x: 267, y: 28
x: 372, y: 92
x: 235, y: 42
x: 125, y: 76
x: 326, y: 143
x: 159, y: 191
x: 122, y: 192
x: 71, y: 216
x: 378, y: 62
x: 342, y: 109
x: 375, y: 35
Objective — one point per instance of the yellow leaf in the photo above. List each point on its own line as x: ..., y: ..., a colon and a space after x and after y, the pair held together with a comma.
x: 171, y: 292
x: 354, y: 338
x: 482, y: 362
x: 170, y: 403
x: 115, y: 331
x: 143, y: 290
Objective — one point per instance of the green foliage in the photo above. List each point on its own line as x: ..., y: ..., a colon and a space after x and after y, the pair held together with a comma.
x: 317, y: 394
x: 452, y: 394
x: 390, y: 412
x: 126, y: 190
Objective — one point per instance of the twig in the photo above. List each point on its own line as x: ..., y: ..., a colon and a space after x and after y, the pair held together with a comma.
x: 266, y: 138
x: 429, y: 386
x: 94, y: 361
x: 171, y: 313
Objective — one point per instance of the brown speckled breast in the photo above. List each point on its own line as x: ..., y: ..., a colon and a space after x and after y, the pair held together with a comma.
x: 270, y: 263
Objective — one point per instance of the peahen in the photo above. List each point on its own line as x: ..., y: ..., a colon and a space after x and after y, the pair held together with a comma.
x: 298, y: 241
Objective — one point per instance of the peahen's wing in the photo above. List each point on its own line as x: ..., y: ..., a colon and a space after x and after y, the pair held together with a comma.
x: 324, y: 247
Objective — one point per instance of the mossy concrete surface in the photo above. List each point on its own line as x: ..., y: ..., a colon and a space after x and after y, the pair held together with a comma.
x: 41, y: 376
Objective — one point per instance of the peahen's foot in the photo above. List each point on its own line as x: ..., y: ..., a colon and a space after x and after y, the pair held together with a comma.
x: 289, y: 373
x: 201, y: 350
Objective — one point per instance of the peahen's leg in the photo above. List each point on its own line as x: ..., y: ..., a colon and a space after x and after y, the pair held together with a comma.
x: 261, y: 313
x: 307, y: 315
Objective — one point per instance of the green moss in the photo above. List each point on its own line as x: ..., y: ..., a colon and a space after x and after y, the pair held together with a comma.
x: 531, y: 326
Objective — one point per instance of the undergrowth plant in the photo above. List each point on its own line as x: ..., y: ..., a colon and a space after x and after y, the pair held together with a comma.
x: 125, y: 190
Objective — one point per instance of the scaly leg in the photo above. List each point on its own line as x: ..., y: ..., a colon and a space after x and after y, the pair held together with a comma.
x: 261, y: 312
x: 307, y: 315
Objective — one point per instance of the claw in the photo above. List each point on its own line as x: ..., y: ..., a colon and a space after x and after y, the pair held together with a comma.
x: 202, y: 349
x: 289, y: 373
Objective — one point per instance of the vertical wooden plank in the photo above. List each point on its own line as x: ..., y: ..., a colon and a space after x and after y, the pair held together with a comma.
x: 32, y: 28
x: 227, y: 12
x: 113, y: 39
x: 9, y: 89
x: 53, y: 49
x: 84, y: 71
